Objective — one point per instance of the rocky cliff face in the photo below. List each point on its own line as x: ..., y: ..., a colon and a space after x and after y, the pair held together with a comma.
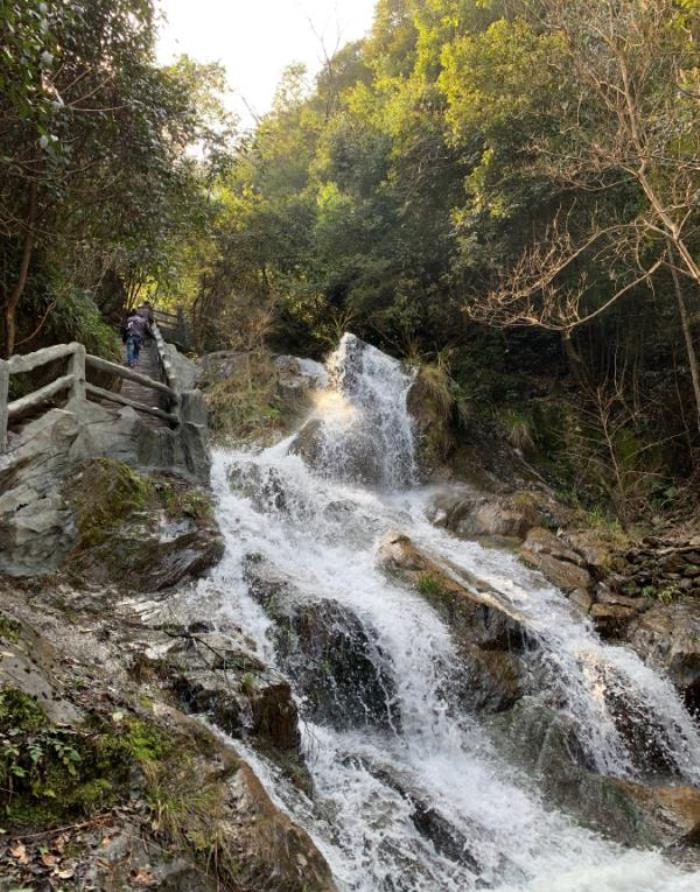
x: 36, y: 524
x: 149, y: 797
x: 101, y: 666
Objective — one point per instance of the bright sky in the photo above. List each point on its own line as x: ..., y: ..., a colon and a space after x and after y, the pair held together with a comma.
x: 257, y: 39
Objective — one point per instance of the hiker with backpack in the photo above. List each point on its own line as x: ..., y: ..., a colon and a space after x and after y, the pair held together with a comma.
x: 134, y: 329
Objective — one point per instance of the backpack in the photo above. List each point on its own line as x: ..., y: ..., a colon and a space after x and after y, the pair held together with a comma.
x: 130, y: 328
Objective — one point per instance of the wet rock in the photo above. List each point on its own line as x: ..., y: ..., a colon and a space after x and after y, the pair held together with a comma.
x: 145, y: 534
x: 428, y: 821
x: 36, y: 523
x: 232, y: 687
x: 668, y: 638
x: 355, y: 456
x: 183, y: 811
x: 612, y: 620
x: 264, y: 486
x: 564, y: 575
x: 547, y: 744
x: 273, y: 853
x: 471, y: 514
x: 673, y: 812
x: 582, y: 600
x: 334, y: 659
x: 470, y: 605
x: 559, y: 564
x: 142, y: 560
x: 490, y: 636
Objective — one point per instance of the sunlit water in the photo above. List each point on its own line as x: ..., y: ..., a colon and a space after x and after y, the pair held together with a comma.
x: 322, y: 536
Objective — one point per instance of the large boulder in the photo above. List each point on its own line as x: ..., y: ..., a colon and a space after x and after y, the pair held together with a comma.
x: 491, y: 638
x: 351, y: 454
x: 36, y: 524
x: 296, y: 375
x: 222, y: 364
x: 668, y: 638
x: 156, y: 799
x: 217, y: 675
x: 560, y: 564
x: 334, y: 659
x: 473, y: 514
x: 146, y: 534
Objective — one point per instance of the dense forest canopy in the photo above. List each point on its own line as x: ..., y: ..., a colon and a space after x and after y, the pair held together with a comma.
x: 506, y: 190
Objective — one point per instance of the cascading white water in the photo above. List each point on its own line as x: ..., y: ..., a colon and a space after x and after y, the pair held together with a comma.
x: 320, y: 532
x: 366, y: 431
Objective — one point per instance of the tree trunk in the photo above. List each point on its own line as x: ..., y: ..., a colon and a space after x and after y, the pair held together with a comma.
x: 687, y: 334
x: 10, y: 308
x: 576, y: 363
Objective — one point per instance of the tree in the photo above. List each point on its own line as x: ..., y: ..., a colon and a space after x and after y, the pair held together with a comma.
x: 628, y: 88
x: 95, y: 172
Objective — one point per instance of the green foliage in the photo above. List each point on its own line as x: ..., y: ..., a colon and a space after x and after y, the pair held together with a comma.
x: 669, y: 594
x: 430, y: 585
x: 395, y: 196
x: 50, y: 773
x: 144, y: 742
x: 180, y: 501
x: 245, y: 406
x: 77, y: 318
x: 95, y: 174
x: 247, y: 684
x: 519, y: 430
x: 9, y: 629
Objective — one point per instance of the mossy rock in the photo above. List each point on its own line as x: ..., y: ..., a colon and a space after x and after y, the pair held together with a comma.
x: 51, y: 774
x: 106, y: 493
x: 146, y: 533
x: 431, y: 404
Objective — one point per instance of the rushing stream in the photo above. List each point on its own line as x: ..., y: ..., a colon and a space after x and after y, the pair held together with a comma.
x: 387, y: 784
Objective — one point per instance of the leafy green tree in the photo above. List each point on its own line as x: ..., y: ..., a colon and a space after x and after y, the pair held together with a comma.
x: 95, y: 172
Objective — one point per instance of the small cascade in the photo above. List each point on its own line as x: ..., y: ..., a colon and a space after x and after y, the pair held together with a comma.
x: 413, y: 792
x: 361, y: 430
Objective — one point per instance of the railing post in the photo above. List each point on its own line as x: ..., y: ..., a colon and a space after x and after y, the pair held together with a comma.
x: 4, y: 400
x: 77, y: 369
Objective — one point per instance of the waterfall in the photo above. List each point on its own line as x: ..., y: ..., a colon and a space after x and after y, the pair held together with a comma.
x: 415, y: 793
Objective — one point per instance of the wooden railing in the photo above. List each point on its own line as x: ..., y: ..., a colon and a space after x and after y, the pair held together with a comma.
x: 75, y: 383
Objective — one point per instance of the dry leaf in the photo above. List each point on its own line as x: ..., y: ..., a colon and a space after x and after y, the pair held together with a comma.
x: 61, y: 842
x: 19, y: 853
x: 65, y: 874
x: 144, y: 877
x: 48, y: 860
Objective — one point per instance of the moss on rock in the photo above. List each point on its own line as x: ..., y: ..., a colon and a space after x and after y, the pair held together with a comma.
x: 143, y: 532
x: 106, y: 493
x: 51, y: 774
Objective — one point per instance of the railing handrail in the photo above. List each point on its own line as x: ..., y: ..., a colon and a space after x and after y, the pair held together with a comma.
x: 121, y: 371
x: 75, y: 381
x: 27, y: 362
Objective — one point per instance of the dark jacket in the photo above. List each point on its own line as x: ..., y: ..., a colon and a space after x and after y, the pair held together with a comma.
x: 135, y: 326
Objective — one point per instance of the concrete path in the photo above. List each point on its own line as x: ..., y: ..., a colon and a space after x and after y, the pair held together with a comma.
x: 148, y: 364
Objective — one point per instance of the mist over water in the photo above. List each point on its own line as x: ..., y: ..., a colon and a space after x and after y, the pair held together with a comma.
x: 432, y: 766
